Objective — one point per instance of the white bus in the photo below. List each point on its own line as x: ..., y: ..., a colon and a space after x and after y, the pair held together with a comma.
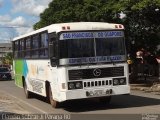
x: 70, y: 61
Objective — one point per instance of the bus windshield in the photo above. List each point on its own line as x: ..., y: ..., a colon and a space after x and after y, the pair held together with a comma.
x: 81, y: 48
x: 110, y: 46
x: 77, y: 48
x: 85, y: 47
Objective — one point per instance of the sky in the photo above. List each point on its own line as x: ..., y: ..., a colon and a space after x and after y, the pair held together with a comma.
x: 17, y: 17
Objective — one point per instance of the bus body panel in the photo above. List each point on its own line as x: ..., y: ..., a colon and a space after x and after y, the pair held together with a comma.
x: 35, y: 73
x: 18, y: 68
x: 65, y: 94
x: 81, y: 94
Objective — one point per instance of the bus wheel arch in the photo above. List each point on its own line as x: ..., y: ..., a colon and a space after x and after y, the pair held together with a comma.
x: 23, y: 80
x: 28, y: 94
x: 47, y: 84
x: 54, y: 103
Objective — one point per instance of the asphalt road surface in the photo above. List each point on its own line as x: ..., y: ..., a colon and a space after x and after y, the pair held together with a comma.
x: 136, y: 105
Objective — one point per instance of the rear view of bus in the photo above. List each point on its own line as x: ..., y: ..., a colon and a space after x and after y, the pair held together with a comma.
x: 86, y: 60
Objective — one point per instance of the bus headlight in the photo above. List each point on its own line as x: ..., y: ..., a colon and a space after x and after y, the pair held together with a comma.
x: 78, y: 85
x: 115, y: 82
x: 122, y: 81
x: 71, y: 86
x: 75, y: 85
x: 119, y: 81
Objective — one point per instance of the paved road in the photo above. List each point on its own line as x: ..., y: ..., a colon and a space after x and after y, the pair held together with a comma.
x: 136, y: 103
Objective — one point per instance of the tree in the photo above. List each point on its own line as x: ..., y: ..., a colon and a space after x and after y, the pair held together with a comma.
x: 142, y: 21
x: 143, y: 24
x: 73, y: 11
x: 7, y: 59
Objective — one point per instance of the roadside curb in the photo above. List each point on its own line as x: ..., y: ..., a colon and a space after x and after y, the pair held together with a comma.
x: 155, y: 88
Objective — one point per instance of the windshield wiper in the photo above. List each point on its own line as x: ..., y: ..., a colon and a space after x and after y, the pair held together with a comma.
x: 112, y: 61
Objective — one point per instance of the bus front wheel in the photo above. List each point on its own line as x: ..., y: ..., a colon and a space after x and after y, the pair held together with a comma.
x: 54, y: 103
x: 27, y: 93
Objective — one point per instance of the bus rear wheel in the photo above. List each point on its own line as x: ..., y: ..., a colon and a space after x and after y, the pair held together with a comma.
x: 54, y: 103
x: 27, y: 93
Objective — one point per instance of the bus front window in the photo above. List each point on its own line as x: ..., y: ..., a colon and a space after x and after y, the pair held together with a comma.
x: 110, y: 46
x: 76, y: 48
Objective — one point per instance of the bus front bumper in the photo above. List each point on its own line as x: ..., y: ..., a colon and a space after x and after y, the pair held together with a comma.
x: 94, y: 92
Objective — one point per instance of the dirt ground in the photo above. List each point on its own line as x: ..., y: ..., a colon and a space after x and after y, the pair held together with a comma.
x: 154, y: 89
x: 10, y: 105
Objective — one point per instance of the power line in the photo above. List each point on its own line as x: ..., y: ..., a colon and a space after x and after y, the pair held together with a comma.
x: 5, y: 40
x: 1, y: 39
x: 15, y: 26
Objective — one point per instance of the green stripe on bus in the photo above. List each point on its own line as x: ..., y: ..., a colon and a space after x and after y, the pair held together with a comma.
x: 18, y: 72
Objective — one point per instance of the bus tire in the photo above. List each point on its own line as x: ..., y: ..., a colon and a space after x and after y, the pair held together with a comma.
x: 105, y: 100
x: 28, y: 94
x: 54, y: 103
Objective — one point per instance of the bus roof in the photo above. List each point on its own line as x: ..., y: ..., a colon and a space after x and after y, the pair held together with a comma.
x: 74, y: 26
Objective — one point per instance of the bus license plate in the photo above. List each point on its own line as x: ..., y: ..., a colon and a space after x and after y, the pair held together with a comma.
x: 99, y: 93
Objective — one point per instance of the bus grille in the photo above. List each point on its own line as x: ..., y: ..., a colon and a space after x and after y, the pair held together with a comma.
x: 97, y: 83
x: 89, y: 73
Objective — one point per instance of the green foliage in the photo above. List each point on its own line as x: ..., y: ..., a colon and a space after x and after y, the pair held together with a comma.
x: 72, y: 11
x: 142, y: 22
x: 7, y: 59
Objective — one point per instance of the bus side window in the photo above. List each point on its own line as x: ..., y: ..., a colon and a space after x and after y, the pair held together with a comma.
x: 53, y: 48
x: 43, y: 45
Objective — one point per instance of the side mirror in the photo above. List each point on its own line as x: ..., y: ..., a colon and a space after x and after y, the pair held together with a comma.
x: 54, y: 61
x: 51, y: 49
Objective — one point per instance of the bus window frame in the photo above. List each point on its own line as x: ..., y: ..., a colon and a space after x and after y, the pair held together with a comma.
x: 17, y: 51
x: 54, y: 49
x: 43, y: 47
x: 124, y: 42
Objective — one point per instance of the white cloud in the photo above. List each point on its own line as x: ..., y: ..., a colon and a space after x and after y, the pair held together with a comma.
x: 21, y: 31
x: 31, y: 7
x: 18, y: 21
x: 17, y: 26
x: 21, y: 24
x: 5, y: 18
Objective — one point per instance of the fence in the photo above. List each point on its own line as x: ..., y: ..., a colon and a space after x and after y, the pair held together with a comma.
x: 143, y: 71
